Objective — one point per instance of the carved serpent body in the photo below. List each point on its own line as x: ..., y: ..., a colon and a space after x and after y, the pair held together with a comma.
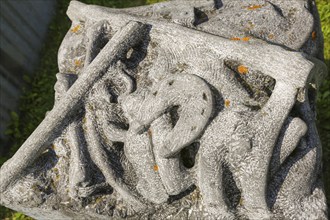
x: 195, y: 102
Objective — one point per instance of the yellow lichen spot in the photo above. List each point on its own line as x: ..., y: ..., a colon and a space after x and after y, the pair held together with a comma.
x: 271, y: 36
x: 196, y: 195
x: 156, y: 168
x: 53, y: 147
x: 264, y: 113
x: 77, y: 62
x: 235, y: 38
x: 98, y: 200
x: 251, y: 25
x: 76, y: 28
x: 242, y: 69
x: 52, y: 184
x: 227, y: 103
x: 245, y: 38
x: 253, y: 7
x: 241, y: 201
x: 84, y: 120
x: 314, y: 35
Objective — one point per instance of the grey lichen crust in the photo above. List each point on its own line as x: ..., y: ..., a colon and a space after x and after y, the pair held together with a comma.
x: 179, y: 110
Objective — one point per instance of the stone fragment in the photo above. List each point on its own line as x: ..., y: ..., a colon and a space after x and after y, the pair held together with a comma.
x: 179, y: 110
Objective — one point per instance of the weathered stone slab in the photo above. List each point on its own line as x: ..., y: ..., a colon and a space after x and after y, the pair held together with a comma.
x: 179, y: 110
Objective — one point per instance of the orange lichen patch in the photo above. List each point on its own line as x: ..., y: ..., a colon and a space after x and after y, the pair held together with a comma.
x: 156, y: 168
x: 238, y: 39
x: 271, y: 36
x: 227, y: 103
x: 77, y: 62
x: 314, y: 35
x: 245, y: 38
x: 253, y: 7
x: 235, y: 38
x: 242, y: 69
x: 76, y: 28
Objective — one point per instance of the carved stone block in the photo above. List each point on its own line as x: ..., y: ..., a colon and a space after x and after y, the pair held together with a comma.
x: 179, y: 110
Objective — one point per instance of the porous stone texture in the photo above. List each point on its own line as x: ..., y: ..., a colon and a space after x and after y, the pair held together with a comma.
x: 179, y: 110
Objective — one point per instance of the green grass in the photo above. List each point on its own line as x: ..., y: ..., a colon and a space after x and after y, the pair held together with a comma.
x: 323, y: 102
x: 38, y: 97
x: 7, y: 214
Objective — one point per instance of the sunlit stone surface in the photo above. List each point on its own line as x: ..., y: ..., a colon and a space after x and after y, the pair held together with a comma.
x: 179, y: 110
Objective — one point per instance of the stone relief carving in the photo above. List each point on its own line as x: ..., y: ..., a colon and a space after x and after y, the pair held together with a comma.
x: 180, y: 110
